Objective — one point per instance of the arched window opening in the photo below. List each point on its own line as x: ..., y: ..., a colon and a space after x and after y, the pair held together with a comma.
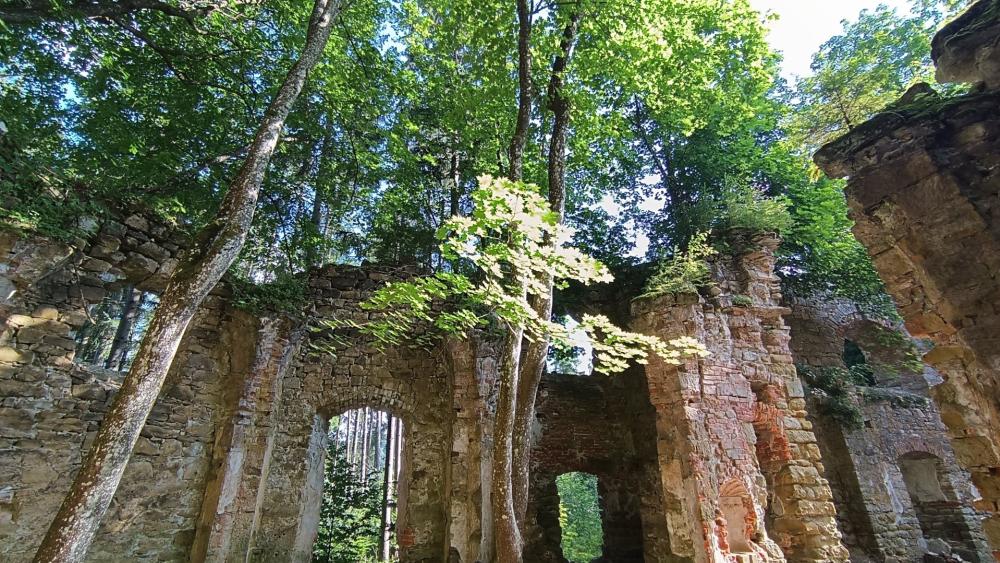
x: 739, y: 518
x: 360, y: 485
x: 580, y: 517
x: 114, y: 328
x: 576, y: 359
x: 856, y: 361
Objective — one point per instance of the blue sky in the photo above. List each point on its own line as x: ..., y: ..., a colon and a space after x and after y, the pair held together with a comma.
x: 803, y: 25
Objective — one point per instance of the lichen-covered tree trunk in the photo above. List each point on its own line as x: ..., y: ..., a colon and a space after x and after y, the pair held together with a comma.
x: 508, y: 543
x: 79, y: 517
x: 533, y: 363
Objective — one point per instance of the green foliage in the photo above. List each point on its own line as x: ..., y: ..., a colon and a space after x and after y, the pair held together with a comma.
x: 685, y: 271
x: 742, y: 301
x: 349, y: 519
x: 580, y: 517
x: 286, y: 294
x: 863, y: 70
x: 516, y: 248
x: 744, y: 207
x: 414, y: 97
x: 834, y: 389
x: 33, y: 200
x: 819, y: 253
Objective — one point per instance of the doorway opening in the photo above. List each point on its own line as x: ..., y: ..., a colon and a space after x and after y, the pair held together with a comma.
x: 360, y: 488
x: 580, y: 517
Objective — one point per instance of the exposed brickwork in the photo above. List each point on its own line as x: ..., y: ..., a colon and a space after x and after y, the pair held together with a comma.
x: 603, y: 426
x: 738, y: 418
x: 711, y: 461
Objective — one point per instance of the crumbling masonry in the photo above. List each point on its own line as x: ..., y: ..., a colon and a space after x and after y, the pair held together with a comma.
x: 723, y: 459
x: 923, y: 184
x: 708, y: 461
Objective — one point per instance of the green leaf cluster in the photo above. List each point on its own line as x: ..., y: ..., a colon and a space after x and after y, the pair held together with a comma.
x: 515, y: 246
x: 686, y: 271
x: 834, y: 387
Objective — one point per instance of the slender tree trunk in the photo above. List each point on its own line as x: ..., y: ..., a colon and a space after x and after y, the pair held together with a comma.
x: 131, y: 302
x: 365, y: 442
x: 533, y: 363
x: 383, y: 535
x: 349, y: 441
x: 515, y: 153
x: 79, y: 517
x: 507, y: 538
x: 356, y: 454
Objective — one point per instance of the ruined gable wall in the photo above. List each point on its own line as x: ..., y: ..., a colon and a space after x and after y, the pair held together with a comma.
x: 875, y: 513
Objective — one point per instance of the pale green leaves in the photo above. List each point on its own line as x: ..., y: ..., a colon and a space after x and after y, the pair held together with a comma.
x: 517, y: 248
x: 615, y: 348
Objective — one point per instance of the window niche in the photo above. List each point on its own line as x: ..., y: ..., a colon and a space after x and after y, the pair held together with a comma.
x: 114, y: 328
x: 739, y: 519
x: 935, y: 503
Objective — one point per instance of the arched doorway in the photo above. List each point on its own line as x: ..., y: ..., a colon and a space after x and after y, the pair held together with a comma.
x: 361, y: 487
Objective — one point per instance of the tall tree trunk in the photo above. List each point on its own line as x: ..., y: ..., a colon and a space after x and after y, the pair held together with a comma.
x: 507, y: 538
x: 131, y: 302
x: 515, y: 153
x: 365, y: 442
x: 350, y: 439
x: 383, y: 534
x: 79, y: 517
x: 356, y: 453
x: 533, y: 363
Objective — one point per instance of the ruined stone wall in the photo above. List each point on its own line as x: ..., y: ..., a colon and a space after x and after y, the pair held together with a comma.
x: 878, y: 520
x: 229, y: 464
x: 275, y: 517
x: 708, y: 461
x: 732, y: 433
x: 52, y: 406
x: 922, y: 188
x: 603, y: 426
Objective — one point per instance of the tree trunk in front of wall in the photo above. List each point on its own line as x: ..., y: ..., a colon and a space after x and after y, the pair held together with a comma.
x: 78, y: 519
x: 508, y: 543
x: 534, y: 358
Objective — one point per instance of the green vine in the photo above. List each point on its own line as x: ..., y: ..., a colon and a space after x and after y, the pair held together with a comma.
x: 834, y: 389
